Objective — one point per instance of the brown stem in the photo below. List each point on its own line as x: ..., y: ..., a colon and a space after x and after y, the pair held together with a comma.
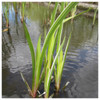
x: 21, y: 20
x: 57, y: 87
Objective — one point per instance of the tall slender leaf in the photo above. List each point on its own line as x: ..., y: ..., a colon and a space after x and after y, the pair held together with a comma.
x: 32, y: 53
x: 54, y: 13
x: 60, y: 58
x: 94, y: 16
x: 53, y: 28
x: 66, y: 49
x: 50, y: 71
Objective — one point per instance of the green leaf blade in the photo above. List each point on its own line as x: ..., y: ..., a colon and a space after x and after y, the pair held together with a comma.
x: 48, y: 77
x: 54, y: 27
x: 32, y: 53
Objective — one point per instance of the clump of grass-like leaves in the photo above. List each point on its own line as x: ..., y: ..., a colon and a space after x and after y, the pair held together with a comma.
x: 37, y: 59
x: 47, y: 53
x: 60, y: 60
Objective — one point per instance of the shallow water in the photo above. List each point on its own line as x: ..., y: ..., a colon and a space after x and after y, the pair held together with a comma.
x: 81, y: 66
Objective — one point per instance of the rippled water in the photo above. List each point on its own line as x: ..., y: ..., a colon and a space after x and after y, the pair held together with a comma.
x: 81, y: 66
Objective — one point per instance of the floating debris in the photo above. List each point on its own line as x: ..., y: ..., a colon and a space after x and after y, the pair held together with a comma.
x: 5, y: 30
x: 65, y: 85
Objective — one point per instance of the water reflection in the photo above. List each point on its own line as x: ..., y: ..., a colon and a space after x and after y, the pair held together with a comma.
x: 81, y: 66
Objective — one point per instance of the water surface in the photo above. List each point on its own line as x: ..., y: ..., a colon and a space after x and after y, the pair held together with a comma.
x: 81, y: 65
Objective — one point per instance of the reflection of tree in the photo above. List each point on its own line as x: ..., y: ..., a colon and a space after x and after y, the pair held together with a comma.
x: 16, y: 21
x: 6, y: 50
x: 10, y: 40
x: 82, y: 32
x: 37, y: 12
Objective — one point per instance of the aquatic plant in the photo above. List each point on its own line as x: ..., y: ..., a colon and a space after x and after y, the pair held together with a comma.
x: 37, y: 60
x: 15, y: 7
x: 60, y: 59
x: 51, y: 64
x: 49, y: 4
x: 22, y: 11
x: 94, y: 18
x: 53, y: 36
x: 66, y: 3
x: 73, y: 11
x: 51, y: 47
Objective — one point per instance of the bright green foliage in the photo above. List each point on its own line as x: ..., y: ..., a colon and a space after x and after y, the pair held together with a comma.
x: 38, y: 52
x: 60, y: 58
x: 38, y: 55
x: 53, y: 37
x: 54, y: 27
x: 69, y: 18
x: 66, y: 3
x: 45, y: 62
x: 37, y: 60
x: 73, y: 11
x: 51, y: 47
x: 50, y: 71
x: 22, y: 11
x: 23, y: 7
x: 32, y: 53
x: 54, y: 13
x: 50, y: 68
x: 60, y: 65
x: 94, y: 16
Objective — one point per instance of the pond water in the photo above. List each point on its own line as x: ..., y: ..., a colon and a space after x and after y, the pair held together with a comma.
x: 81, y: 65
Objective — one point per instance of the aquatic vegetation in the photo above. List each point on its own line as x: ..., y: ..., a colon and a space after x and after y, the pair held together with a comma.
x: 37, y: 60
x: 51, y: 66
x: 22, y: 11
x: 50, y: 62
x: 49, y: 4
x: 51, y: 47
x: 66, y: 3
x: 94, y: 18
x: 60, y: 60
x: 73, y: 11
x: 15, y: 7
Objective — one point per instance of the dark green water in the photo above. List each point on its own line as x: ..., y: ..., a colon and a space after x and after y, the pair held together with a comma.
x: 81, y: 66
